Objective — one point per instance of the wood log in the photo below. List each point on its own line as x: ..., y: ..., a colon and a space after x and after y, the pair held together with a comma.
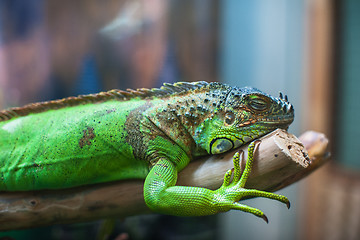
x: 280, y: 159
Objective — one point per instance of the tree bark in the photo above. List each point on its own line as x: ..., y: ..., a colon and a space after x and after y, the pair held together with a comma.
x: 280, y: 160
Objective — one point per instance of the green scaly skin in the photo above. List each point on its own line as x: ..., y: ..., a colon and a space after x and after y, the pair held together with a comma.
x: 141, y: 134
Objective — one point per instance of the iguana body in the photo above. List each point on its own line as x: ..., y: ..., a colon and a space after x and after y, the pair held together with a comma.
x: 147, y: 134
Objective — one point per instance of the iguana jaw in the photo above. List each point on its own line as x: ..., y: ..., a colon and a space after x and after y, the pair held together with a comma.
x: 269, y: 123
x: 284, y: 123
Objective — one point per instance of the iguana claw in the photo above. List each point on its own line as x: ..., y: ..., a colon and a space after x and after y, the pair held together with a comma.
x: 265, y: 218
x: 233, y: 191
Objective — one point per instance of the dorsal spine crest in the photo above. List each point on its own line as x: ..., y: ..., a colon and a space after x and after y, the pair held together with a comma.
x: 118, y: 95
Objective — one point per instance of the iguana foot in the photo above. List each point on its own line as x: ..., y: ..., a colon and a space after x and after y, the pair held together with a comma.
x: 233, y: 190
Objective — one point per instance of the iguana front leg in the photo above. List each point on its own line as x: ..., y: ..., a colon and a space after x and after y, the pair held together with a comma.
x: 161, y: 194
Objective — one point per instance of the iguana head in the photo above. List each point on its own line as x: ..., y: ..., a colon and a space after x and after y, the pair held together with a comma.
x: 246, y: 114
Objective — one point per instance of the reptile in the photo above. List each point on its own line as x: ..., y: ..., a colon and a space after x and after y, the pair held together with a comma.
x: 149, y: 134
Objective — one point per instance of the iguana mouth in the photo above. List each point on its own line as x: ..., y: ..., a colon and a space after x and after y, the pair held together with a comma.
x: 269, y: 122
x: 280, y: 121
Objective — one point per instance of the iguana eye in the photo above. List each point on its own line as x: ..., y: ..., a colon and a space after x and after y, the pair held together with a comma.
x: 229, y: 118
x: 258, y: 104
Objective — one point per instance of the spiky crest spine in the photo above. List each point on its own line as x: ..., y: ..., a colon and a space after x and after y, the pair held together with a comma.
x: 164, y: 91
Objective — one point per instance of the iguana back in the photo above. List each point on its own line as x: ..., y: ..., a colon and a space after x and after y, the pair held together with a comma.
x: 81, y: 140
x: 68, y: 147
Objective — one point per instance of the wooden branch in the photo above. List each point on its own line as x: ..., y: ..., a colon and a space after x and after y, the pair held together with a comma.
x: 280, y: 160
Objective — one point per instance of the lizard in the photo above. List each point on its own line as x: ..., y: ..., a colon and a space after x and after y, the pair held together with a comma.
x: 149, y: 134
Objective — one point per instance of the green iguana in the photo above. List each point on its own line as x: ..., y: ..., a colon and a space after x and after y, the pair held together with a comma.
x: 149, y: 134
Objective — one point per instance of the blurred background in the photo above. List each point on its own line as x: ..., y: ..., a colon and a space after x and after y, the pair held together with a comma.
x: 308, y: 49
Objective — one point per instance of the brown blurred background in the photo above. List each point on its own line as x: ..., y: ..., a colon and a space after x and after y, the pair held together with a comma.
x: 306, y: 48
